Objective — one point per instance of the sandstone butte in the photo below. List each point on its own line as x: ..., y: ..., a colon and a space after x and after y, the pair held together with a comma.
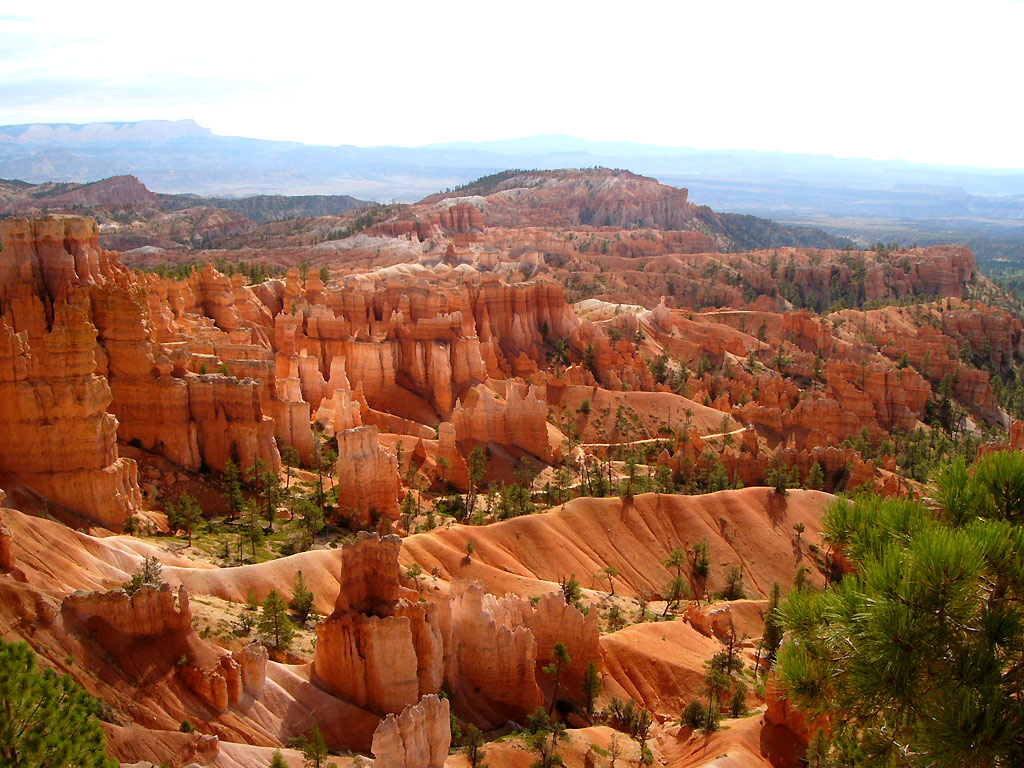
x: 525, y: 317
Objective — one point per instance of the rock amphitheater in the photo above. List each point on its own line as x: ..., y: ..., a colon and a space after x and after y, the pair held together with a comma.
x: 596, y: 330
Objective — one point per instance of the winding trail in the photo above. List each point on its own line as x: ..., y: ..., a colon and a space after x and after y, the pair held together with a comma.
x: 649, y: 440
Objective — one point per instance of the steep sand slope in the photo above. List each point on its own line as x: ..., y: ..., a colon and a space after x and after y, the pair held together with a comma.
x: 643, y: 413
x: 134, y: 744
x: 752, y: 527
x: 739, y: 744
x: 58, y: 559
x: 659, y: 665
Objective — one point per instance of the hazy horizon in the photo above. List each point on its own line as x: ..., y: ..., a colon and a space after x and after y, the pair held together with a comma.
x: 922, y: 82
x: 535, y: 143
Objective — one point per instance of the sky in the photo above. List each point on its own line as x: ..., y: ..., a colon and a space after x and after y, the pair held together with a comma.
x: 930, y: 81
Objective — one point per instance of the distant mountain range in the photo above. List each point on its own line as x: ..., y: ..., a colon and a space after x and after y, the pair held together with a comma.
x: 866, y: 199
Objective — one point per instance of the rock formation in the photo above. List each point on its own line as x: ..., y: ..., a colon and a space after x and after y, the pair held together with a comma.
x: 477, y: 631
x: 596, y: 197
x: 150, y: 611
x: 366, y: 477
x: 252, y: 660
x: 524, y: 313
x: 478, y: 627
x: 417, y: 738
x: 370, y: 574
x: 519, y: 421
x: 59, y: 437
x: 7, y: 559
x: 223, y: 682
x: 382, y: 650
x: 80, y: 340
x: 378, y: 649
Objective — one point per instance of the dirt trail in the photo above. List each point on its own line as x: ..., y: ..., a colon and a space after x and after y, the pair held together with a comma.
x: 649, y: 440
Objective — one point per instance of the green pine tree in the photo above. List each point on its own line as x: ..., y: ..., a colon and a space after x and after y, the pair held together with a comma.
x: 560, y: 659
x: 677, y: 587
x: 919, y: 653
x: 591, y: 686
x: 314, y: 751
x: 773, y: 631
x: 252, y: 529
x: 231, y: 481
x: 189, y: 513
x: 815, y: 477
x: 474, y: 740
x: 302, y: 598
x: 274, y: 626
x: 45, y: 719
x: 148, y: 575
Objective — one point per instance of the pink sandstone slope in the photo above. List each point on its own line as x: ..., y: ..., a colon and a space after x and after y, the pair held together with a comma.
x: 751, y: 527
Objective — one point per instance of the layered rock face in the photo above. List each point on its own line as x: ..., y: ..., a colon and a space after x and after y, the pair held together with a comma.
x: 833, y: 391
x: 148, y: 343
x: 520, y: 421
x: 214, y: 375
x: 230, y: 677
x: 480, y: 627
x: 369, y: 574
x: 417, y: 738
x: 553, y: 621
x: 594, y: 197
x: 478, y: 631
x: 367, y: 476
x: 378, y: 649
x: 433, y: 343
x: 150, y: 611
x: 459, y: 216
x: 199, y: 369
x: 80, y: 348
x: 118, y: 190
x: 202, y: 369
x: 222, y: 679
x: 368, y: 660
x: 58, y: 435
x: 8, y: 562
x: 383, y: 648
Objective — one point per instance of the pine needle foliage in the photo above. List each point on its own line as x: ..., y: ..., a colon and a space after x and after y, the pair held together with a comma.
x: 45, y: 719
x: 915, y: 657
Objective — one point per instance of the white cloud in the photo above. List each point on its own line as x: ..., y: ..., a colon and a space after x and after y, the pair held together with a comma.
x: 928, y: 81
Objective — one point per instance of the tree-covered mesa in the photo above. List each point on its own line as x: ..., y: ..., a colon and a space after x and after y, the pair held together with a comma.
x: 916, y: 656
x: 46, y: 720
